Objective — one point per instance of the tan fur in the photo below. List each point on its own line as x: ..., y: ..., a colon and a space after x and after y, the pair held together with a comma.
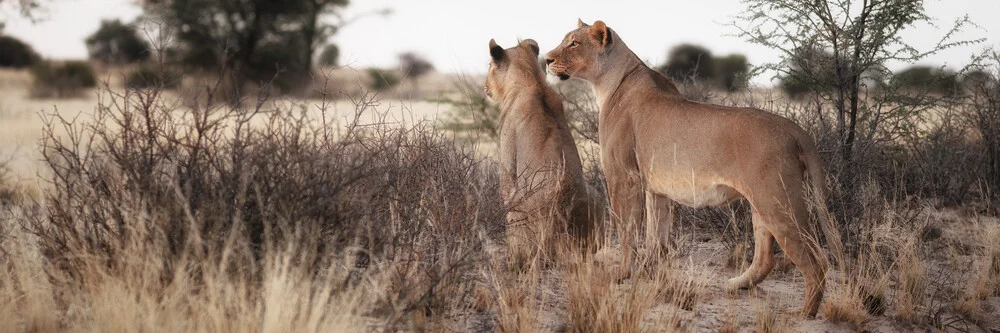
x: 658, y: 147
x: 541, y: 175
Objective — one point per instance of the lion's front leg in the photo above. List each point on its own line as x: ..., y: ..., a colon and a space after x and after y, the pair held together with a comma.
x: 659, y: 223
x: 626, y: 213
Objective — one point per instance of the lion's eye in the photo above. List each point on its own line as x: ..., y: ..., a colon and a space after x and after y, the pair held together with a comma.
x: 574, y: 44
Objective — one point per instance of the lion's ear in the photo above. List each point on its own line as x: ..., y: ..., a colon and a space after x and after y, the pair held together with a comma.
x: 580, y: 24
x: 496, y: 51
x: 532, y: 44
x: 600, y: 32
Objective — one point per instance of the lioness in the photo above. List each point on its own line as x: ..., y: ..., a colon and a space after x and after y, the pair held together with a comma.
x: 541, y: 176
x: 658, y: 145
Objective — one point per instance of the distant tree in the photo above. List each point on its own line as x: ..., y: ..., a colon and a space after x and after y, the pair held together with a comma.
x: 976, y: 78
x: 117, y: 43
x: 927, y: 79
x: 414, y: 66
x: 689, y: 61
x: 255, y: 39
x: 16, y: 54
x: 330, y: 56
x: 731, y: 71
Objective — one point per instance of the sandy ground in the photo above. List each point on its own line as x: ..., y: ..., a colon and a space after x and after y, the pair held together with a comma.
x: 780, y: 294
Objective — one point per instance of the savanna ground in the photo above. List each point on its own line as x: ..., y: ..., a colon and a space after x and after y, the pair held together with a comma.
x: 355, y: 210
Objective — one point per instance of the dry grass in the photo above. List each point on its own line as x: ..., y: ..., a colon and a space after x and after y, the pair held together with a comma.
x: 912, y: 280
x: 283, y: 216
x: 598, y: 304
x: 769, y: 321
x: 986, y: 280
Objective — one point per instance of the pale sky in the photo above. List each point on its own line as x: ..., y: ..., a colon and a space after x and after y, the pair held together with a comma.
x: 454, y: 34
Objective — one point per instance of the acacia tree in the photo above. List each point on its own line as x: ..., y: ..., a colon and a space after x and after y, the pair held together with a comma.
x: 861, y: 37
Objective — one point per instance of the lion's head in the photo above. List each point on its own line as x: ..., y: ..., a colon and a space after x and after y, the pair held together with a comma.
x: 512, y: 67
x: 579, y: 53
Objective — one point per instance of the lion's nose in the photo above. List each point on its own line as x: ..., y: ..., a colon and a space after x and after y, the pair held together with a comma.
x: 549, y: 61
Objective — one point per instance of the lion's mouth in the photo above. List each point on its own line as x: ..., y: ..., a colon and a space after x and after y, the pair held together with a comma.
x: 559, y: 71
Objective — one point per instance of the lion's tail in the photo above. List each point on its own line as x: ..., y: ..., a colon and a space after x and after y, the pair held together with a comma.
x: 817, y: 181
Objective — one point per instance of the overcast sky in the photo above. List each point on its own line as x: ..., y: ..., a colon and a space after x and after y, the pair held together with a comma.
x: 454, y: 34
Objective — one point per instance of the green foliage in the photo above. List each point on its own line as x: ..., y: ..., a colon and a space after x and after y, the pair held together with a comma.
x: 927, y: 79
x: 67, y: 79
x: 382, y: 79
x: 16, y: 54
x: 117, y: 43
x: 330, y: 56
x: 688, y: 61
x: 147, y: 77
x: 731, y: 71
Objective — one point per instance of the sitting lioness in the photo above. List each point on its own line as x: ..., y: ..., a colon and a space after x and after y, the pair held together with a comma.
x: 541, y: 176
x: 658, y: 147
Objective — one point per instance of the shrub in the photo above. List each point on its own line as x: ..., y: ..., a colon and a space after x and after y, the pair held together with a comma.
x: 153, y: 190
x: 117, y: 43
x: 330, y: 56
x: 381, y: 79
x: 146, y: 77
x: 16, y: 54
x: 981, y: 110
x: 59, y: 80
x: 689, y: 61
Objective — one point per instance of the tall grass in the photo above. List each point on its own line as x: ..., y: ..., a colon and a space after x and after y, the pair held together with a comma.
x: 255, y: 217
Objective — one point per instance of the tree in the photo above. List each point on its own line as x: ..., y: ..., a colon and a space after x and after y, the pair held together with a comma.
x: 117, y: 43
x: 258, y: 40
x: 16, y: 54
x: 926, y: 78
x: 731, y: 71
x: 861, y: 36
x: 330, y: 56
x: 414, y: 66
x: 688, y: 61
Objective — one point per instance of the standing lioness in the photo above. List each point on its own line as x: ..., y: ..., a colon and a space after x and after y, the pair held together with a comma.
x: 541, y: 177
x: 658, y: 145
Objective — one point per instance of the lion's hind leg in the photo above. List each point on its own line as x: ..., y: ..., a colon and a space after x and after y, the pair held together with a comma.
x: 788, y: 221
x: 763, y: 257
